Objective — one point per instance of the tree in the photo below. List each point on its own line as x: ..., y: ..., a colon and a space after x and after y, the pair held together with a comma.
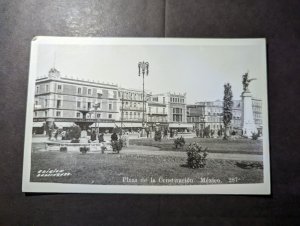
x: 227, y: 109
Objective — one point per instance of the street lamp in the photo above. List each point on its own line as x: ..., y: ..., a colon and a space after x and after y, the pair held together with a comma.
x: 143, y: 70
x: 96, y: 106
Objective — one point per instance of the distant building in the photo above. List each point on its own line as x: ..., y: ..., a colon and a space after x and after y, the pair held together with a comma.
x: 177, y: 111
x: 131, y: 108
x: 257, y: 113
x: 64, y: 100
x: 157, y: 111
x: 210, y: 113
x: 168, y: 110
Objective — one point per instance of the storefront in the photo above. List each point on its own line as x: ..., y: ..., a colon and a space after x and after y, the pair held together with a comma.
x: 181, y: 127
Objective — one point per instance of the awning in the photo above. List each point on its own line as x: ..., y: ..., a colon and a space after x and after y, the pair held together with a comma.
x: 64, y: 124
x: 37, y: 124
x: 134, y: 125
x: 117, y: 124
x: 104, y: 125
x: 180, y: 125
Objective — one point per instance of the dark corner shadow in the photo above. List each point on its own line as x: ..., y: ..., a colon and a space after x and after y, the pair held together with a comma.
x: 29, y: 194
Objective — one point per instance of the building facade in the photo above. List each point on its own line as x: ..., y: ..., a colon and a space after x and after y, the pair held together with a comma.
x: 177, y: 111
x: 64, y: 101
x: 131, y: 108
x: 157, y: 111
x: 257, y: 113
x: 210, y: 113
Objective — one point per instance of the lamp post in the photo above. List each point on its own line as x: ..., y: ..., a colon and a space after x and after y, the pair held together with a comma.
x: 122, y: 112
x: 143, y: 70
x: 96, y: 106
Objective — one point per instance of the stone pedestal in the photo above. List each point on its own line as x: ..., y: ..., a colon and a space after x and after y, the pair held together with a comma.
x: 248, y: 124
x: 83, y: 137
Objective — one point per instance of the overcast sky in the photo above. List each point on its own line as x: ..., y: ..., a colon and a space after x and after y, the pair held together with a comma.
x: 200, y: 71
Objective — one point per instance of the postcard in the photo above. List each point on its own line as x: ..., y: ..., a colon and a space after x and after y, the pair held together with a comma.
x: 147, y: 116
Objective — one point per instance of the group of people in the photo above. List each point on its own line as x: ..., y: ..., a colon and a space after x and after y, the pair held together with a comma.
x: 210, y: 133
x: 114, y: 137
x: 94, y: 137
x: 165, y: 133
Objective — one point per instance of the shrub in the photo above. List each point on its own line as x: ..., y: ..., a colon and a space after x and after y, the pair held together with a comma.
x: 157, y: 136
x: 75, y: 141
x: 63, y: 149
x: 75, y: 133
x: 255, y: 136
x: 196, y: 156
x: 250, y: 165
x: 117, y: 145
x: 179, y: 142
x: 84, y: 150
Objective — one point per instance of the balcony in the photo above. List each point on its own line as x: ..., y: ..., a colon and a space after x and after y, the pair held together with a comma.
x: 131, y: 108
x: 132, y: 119
x: 155, y: 119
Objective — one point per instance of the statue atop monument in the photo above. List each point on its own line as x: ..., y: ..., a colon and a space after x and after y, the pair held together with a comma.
x: 246, y: 82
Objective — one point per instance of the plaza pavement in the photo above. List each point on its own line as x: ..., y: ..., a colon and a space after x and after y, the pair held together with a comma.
x: 148, y: 150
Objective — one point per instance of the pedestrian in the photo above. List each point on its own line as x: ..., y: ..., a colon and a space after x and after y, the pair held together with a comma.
x: 93, y: 136
x: 138, y: 132
x: 126, y: 139
x: 165, y: 134
x: 101, y: 137
x: 114, y: 137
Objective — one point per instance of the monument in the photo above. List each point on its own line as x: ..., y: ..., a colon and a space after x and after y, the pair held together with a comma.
x: 248, y: 124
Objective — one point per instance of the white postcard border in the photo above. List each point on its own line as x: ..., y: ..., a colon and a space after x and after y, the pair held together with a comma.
x: 251, y: 189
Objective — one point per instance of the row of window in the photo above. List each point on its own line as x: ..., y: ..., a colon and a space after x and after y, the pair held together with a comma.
x: 130, y: 95
x: 132, y: 114
x: 177, y: 118
x: 134, y: 104
x: 156, y: 110
x: 79, y: 104
x: 37, y: 89
x: 157, y: 119
x: 177, y: 110
x: 156, y: 99
x: 90, y: 105
x: 78, y: 115
x: 176, y: 100
x: 79, y: 90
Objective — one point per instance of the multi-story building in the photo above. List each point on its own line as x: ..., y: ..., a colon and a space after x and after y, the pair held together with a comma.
x: 210, y: 113
x: 257, y: 113
x: 168, y: 110
x: 177, y: 111
x: 203, y: 114
x: 131, y: 108
x: 157, y: 111
x: 65, y: 100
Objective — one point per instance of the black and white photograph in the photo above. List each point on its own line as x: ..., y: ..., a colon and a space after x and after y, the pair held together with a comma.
x: 147, y: 115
